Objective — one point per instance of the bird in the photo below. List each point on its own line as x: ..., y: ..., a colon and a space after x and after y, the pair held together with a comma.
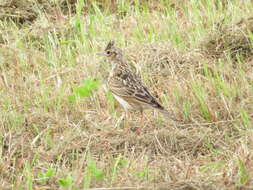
x: 126, y: 87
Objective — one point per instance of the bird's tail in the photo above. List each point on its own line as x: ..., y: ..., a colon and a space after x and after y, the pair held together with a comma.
x: 168, y: 114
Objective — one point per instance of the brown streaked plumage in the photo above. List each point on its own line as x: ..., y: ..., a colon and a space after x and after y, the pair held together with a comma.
x: 127, y: 87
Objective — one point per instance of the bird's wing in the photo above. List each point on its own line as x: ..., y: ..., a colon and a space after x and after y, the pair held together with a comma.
x: 127, y: 84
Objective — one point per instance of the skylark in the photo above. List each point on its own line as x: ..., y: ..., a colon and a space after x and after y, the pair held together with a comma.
x: 126, y: 86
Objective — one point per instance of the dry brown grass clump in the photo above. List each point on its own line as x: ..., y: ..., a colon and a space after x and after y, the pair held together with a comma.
x: 230, y: 40
x: 20, y: 11
x: 27, y: 11
x: 163, y: 60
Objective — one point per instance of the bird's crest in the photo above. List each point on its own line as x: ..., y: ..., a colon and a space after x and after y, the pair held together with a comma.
x: 110, y: 45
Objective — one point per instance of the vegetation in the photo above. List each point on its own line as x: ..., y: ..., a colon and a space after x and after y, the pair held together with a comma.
x: 62, y: 129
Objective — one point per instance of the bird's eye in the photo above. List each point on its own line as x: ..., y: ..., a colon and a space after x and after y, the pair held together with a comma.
x: 108, y: 52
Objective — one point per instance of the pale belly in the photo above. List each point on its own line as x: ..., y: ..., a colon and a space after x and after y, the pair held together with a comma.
x: 130, y: 106
x: 123, y: 103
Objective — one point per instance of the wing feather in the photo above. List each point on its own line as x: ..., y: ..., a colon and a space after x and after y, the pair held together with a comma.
x: 129, y: 85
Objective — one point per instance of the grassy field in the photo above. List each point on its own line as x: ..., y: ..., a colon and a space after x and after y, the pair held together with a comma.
x: 61, y: 128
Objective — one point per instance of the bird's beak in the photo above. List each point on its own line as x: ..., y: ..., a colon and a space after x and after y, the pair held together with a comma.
x: 101, y: 53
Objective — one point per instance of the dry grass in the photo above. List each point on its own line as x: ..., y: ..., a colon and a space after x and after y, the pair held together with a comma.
x: 233, y: 41
x: 48, y: 141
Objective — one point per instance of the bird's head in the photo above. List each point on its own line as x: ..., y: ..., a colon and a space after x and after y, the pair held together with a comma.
x: 112, y: 52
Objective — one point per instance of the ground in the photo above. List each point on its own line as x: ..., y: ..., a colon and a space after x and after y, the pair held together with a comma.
x: 61, y: 127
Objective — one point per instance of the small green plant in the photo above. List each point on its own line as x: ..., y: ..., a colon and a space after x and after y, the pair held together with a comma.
x: 111, y: 101
x: 242, y: 173
x: 201, y: 97
x: 220, y: 84
x: 95, y: 172
x: 212, y: 167
x: 119, y: 161
x: 123, y: 7
x: 176, y: 94
x: 84, y: 90
x: 92, y: 173
x: 29, y: 176
x: 250, y: 34
x: 187, y: 109
x: 66, y: 182
x: 245, y: 118
x: 45, y: 176
x: 143, y: 174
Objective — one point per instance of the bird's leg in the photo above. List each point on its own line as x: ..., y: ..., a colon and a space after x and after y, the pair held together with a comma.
x: 125, y: 118
x: 126, y: 123
x: 142, y: 119
x: 120, y: 120
x: 139, y: 129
